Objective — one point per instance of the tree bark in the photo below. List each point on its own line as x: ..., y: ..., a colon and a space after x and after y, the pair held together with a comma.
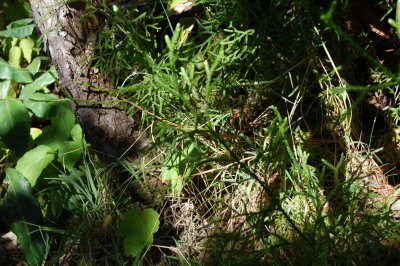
x: 70, y: 42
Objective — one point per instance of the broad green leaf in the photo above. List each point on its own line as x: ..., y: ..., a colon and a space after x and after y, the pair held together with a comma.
x: 19, y: 23
x: 44, y: 80
x: 14, y: 56
x: 178, y: 166
x: 14, y: 41
x: 35, y: 65
x: 27, y: 45
x: 43, y: 105
x: 5, y: 89
x: 20, y: 32
x: 76, y: 133
x: 20, y: 210
x: 69, y: 153
x: 35, y: 132
x: 170, y: 174
x: 32, y: 241
x: 59, y: 131
x: 14, y: 125
x: 33, y: 162
x: 137, y: 228
x: 19, y: 75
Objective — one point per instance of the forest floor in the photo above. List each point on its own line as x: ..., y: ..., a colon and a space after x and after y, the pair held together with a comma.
x: 273, y: 130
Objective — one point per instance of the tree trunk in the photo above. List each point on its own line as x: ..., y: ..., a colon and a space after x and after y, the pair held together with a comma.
x: 70, y: 42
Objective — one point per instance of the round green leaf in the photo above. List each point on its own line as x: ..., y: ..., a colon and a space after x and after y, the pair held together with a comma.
x: 138, y: 228
x: 178, y: 166
x: 14, y: 125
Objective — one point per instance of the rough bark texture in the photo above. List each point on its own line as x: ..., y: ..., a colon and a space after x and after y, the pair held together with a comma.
x: 70, y: 41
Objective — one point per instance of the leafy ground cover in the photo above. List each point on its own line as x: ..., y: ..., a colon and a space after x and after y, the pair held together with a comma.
x: 273, y: 130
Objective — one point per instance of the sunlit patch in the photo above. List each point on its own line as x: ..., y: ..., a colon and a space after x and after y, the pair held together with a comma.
x: 179, y: 7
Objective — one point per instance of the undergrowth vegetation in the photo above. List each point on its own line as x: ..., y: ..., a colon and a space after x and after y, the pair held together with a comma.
x: 273, y: 129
